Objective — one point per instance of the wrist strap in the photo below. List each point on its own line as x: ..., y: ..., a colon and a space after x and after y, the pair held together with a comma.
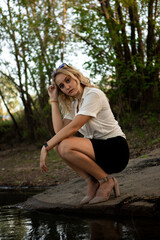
x: 46, y: 146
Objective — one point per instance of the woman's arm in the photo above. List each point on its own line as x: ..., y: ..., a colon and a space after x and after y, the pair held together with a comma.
x: 57, y: 121
x: 56, y: 117
x: 68, y: 130
x: 65, y: 132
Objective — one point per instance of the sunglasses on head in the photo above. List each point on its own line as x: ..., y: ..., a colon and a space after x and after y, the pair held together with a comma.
x: 61, y: 66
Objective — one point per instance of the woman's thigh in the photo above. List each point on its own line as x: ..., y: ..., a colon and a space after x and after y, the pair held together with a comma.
x: 82, y: 145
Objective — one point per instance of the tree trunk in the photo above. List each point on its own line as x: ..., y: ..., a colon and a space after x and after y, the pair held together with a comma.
x: 12, y: 117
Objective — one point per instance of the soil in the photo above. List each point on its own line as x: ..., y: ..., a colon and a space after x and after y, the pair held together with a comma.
x: 19, y: 163
x: 19, y: 167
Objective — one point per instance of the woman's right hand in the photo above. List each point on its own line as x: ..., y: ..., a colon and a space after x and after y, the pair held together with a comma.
x: 43, y: 157
x: 53, y: 92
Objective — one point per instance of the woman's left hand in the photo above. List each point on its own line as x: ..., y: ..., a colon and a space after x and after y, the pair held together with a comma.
x: 53, y: 92
x: 43, y: 157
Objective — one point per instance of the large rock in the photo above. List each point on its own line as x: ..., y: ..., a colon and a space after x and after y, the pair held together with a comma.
x: 139, y: 186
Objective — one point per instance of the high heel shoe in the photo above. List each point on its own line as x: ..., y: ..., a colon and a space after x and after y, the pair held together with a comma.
x: 99, y: 199
x: 87, y: 198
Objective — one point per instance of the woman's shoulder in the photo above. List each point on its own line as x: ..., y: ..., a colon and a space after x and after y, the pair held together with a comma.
x: 94, y: 90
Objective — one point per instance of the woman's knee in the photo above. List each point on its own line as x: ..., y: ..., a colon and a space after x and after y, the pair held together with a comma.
x: 64, y: 148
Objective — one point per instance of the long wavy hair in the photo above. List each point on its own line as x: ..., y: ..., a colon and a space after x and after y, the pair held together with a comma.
x: 66, y: 101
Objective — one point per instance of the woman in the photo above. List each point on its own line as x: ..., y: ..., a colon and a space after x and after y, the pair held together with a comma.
x: 103, y: 150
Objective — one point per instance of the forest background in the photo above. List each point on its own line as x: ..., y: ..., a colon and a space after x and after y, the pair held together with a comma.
x: 116, y: 41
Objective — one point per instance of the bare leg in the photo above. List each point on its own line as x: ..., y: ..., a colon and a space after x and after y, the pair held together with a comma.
x: 79, y: 153
x: 80, y: 172
x: 91, y: 181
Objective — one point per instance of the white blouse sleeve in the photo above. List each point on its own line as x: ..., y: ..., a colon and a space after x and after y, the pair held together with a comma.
x: 91, y: 105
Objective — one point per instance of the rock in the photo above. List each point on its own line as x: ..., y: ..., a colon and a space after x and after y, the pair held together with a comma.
x: 139, y: 187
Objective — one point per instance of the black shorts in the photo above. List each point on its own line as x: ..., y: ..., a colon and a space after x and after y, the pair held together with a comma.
x: 112, y: 154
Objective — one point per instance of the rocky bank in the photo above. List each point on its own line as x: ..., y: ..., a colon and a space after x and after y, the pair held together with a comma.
x: 139, y: 186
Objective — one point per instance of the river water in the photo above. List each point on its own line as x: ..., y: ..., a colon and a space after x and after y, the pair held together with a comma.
x: 17, y: 224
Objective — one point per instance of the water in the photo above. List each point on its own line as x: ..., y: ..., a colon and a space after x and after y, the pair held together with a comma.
x: 17, y: 224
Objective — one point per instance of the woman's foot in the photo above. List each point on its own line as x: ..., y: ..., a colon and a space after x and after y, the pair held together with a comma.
x: 93, y: 185
x: 105, y: 189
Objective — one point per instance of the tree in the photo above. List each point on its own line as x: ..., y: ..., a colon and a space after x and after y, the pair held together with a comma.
x: 5, y: 91
x: 127, y: 53
x: 34, y: 41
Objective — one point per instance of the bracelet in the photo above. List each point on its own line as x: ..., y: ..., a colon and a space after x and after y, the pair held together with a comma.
x: 53, y: 101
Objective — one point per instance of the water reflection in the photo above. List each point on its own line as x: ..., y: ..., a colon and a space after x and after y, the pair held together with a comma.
x: 128, y: 229
x: 16, y: 224
x: 105, y: 229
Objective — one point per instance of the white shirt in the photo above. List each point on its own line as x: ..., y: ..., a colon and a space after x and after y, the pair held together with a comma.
x: 102, y: 124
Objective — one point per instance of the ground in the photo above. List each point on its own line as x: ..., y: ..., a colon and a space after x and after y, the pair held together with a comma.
x: 19, y: 166
x: 19, y: 162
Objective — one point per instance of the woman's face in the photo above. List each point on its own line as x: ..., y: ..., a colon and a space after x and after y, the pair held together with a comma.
x: 67, y: 85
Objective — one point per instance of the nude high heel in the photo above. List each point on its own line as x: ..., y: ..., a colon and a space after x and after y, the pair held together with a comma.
x: 87, y: 198
x: 116, y: 187
x: 98, y: 199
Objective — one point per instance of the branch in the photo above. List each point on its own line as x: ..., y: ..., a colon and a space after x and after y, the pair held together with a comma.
x: 101, y: 50
x: 102, y: 2
x: 128, y: 56
x: 18, y: 87
x: 11, y: 115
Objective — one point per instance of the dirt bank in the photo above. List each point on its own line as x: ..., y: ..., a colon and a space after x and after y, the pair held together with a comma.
x: 19, y: 164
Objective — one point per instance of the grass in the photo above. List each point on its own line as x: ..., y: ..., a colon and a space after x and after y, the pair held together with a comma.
x: 143, y: 133
x: 20, y: 166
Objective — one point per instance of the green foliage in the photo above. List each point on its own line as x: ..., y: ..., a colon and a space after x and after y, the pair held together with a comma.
x: 5, y: 126
x: 150, y: 117
x: 30, y: 31
x: 120, y: 37
x: 7, y: 132
x: 142, y: 131
x: 157, y: 140
x: 54, y: 157
x: 124, y: 47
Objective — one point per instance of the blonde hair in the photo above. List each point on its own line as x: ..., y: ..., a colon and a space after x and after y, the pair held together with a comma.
x: 66, y: 101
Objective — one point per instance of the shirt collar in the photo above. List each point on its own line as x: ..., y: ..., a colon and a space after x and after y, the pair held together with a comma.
x: 83, y: 96
x: 84, y: 92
